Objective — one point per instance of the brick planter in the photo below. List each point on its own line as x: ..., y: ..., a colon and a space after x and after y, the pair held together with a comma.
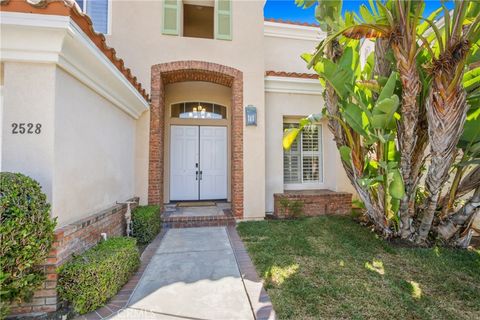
x: 315, y: 202
x: 74, y: 238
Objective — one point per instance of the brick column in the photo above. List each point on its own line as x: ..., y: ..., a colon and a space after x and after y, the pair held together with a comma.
x: 178, y: 71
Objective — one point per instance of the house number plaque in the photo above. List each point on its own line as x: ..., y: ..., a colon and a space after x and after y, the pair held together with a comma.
x: 251, y: 115
x: 26, y: 128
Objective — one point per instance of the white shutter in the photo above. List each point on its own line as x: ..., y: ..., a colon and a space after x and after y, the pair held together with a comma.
x: 302, y: 164
x: 291, y: 160
x: 311, y: 162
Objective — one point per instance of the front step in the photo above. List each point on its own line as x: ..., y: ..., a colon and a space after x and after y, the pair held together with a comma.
x: 172, y: 219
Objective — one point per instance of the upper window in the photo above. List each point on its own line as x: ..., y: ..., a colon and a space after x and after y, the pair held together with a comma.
x: 302, y: 164
x: 97, y: 10
x: 198, y: 110
x: 211, y: 19
x: 197, y: 21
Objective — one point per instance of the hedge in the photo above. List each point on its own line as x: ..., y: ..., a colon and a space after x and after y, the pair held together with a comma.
x: 91, y: 279
x: 26, y: 237
x: 146, y: 223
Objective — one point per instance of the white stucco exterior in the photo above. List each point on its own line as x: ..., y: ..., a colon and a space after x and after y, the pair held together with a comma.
x: 84, y: 154
x: 94, y: 146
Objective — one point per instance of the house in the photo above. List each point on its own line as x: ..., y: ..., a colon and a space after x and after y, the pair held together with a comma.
x: 198, y: 114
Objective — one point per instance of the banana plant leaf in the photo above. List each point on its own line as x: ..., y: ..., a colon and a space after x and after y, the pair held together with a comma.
x: 346, y: 155
x: 383, y: 113
x: 353, y: 116
x: 289, y: 137
x: 397, y: 187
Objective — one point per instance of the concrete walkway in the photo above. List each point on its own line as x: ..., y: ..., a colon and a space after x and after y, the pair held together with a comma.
x: 192, y: 275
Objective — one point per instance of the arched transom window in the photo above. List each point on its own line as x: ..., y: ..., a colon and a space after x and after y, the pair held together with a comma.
x: 198, y: 110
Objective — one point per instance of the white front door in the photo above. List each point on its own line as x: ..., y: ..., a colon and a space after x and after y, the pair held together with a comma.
x: 198, y: 163
x: 213, y: 163
x: 183, y: 163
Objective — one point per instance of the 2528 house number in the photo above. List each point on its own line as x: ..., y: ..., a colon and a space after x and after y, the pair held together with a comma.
x: 26, y: 128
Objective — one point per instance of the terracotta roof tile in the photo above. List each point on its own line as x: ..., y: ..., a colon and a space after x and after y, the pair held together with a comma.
x: 71, y: 9
x: 298, y: 23
x: 291, y: 74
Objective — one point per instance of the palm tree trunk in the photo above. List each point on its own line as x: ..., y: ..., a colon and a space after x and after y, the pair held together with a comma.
x: 448, y: 228
x: 446, y: 113
x: 382, y: 67
x: 470, y: 182
x: 407, y: 204
x: 407, y: 135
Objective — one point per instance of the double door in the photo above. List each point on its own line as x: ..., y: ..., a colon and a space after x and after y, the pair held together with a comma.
x: 198, y: 163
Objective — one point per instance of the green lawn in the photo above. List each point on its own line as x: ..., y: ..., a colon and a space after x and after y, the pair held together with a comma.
x: 333, y: 268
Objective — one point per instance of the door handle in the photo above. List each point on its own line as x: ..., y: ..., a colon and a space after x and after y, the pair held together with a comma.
x: 201, y: 175
x: 196, y: 175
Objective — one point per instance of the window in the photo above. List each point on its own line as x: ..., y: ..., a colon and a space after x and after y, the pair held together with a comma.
x: 206, y: 19
x: 198, y: 110
x: 98, y: 11
x: 197, y: 21
x: 302, y: 164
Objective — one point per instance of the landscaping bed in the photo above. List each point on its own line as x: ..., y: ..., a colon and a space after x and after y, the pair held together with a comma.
x: 331, y: 267
x: 89, y: 280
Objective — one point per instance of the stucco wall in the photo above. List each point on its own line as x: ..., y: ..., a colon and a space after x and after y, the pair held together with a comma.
x: 94, y: 151
x: 283, y: 54
x: 278, y: 106
x: 139, y: 41
x: 29, y: 97
x: 84, y: 155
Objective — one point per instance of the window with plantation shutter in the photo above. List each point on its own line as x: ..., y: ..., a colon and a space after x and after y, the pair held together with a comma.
x: 170, y: 17
x: 223, y: 29
x: 302, y: 164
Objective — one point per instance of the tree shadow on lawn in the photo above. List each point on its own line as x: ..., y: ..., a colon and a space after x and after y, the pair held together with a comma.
x: 331, y: 267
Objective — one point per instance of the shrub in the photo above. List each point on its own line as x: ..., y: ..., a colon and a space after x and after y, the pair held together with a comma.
x: 146, y: 223
x: 291, y: 209
x: 90, y: 279
x: 26, y: 237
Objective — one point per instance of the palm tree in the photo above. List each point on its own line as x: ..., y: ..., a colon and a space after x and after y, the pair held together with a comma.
x: 437, y: 61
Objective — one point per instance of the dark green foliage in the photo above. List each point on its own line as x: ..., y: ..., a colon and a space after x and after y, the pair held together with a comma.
x: 26, y: 237
x: 89, y: 280
x: 146, y: 223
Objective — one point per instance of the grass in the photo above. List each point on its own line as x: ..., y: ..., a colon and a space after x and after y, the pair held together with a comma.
x: 333, y: 268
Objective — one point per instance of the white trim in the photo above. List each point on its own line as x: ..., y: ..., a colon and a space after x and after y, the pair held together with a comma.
x: 57, y: 39
x: 292, y: 31
x: 293, y: 85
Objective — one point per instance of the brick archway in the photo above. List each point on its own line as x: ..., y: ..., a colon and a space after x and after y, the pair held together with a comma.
x: 179, y: 71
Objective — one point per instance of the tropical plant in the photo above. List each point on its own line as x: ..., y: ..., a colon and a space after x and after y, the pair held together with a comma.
x: 418, y: 91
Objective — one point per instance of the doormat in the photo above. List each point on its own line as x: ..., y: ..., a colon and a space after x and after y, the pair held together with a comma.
x: 196, y: 204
